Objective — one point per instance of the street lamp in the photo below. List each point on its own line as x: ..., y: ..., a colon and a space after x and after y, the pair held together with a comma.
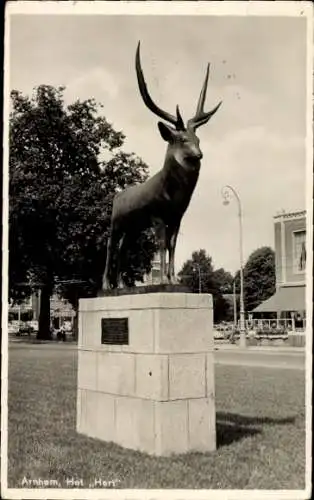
x: 234, y: 306
x: 197, y: 267
x: 226, y: 192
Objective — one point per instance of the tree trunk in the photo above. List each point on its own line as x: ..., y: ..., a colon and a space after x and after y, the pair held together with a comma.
x: 75, y: 325
x: 44, y: 332
x: 75, y: 305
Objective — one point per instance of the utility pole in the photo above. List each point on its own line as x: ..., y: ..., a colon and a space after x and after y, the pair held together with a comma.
x: 226, y: 194
x: 234, y: 305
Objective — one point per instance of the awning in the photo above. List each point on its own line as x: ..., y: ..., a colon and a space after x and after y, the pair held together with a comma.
x: 290, y: 298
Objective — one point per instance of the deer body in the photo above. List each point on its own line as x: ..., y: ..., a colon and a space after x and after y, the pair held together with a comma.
x: 163, y: 199
x: 161, y: 196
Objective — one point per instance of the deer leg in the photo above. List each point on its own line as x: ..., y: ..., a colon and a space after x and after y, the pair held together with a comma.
x: 105, y: 280
x: 171, y: 246
x: 112, y: 239
x: 162, y: 249
x: 165, y: 261
x: 169, y: 233
x: 119, y: 258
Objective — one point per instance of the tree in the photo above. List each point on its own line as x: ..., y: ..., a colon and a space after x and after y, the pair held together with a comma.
x: 61, y: 196
x: 259, y: 277
x: 198, y: 274
x: 224, y: 280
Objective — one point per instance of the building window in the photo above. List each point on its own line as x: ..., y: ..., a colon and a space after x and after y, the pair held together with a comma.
x: 299, y: 251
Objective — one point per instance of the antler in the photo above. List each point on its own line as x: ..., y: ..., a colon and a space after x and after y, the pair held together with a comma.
x: 177, y: 121
x: 202, y: 117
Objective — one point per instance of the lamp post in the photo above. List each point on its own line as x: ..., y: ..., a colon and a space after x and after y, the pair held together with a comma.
x: 226, y: 192
x: 198, y: 267
x: 234, y: 306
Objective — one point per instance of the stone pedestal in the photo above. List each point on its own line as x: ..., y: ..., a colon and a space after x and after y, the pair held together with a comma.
x: 156, y: 392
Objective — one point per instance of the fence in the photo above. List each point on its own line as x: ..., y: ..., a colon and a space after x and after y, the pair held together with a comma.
x: 267, y: 325
x: 290, y: 324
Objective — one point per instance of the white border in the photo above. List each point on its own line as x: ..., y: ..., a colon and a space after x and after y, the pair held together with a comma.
x: 191, y: 8
x: 185, y: 8
x: 309, y: 249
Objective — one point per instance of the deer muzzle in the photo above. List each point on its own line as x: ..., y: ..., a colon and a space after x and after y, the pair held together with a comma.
x: 196, y: 155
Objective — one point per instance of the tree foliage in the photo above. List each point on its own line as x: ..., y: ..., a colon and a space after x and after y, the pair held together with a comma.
x: 61, y: 195
x: 198, y: 274
x: 224, y: 280
x: 259, y: 277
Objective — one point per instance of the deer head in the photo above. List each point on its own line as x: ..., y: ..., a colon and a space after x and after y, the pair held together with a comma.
x: 182, y: 140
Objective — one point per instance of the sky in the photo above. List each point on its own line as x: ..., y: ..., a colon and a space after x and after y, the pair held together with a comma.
x: 256, y: 140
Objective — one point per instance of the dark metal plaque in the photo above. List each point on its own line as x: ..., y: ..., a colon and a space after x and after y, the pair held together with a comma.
x: 115, y: 331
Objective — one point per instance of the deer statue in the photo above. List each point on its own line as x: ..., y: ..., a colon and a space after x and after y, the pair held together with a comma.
x: 162, y: 200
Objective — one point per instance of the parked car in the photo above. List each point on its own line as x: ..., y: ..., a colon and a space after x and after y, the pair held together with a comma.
x: 64, y: 331
x: 218, y: 335
x: 67, y: 326
x: 13, y: 328
x: 34, y: 324
x: 24, y: 329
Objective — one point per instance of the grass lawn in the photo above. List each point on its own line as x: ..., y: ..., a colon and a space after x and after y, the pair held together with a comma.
x: 260, y: 431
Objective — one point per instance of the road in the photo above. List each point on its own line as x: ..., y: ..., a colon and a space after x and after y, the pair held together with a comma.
x: 275, y: 357
x: 228, y: 354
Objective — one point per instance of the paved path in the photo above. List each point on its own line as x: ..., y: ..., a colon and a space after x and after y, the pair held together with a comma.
x: 228, y: 346
x: 272, y: 357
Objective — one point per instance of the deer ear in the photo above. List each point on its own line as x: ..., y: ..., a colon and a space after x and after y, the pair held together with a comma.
x: 166, y: 132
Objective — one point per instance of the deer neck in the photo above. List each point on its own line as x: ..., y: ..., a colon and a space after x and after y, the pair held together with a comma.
x: 174, y: 172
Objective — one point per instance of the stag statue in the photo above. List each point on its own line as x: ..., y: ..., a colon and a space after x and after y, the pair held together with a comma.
x: 162, y: 200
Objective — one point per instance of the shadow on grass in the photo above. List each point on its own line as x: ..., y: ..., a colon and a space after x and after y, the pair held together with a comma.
x: 231, y: 427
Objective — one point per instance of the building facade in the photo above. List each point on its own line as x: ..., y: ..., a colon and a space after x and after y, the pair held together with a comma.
x: 153, y: 277
x: 290, y: 248
x: 60, y: 310
x: 22, y: 312
x: 290, y: 258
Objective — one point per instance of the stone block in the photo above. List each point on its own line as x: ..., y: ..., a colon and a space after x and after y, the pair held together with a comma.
x: 116, y: 373
x: 80, y: 340
x: 202, y: 424
x: 183, y: 331
x: 146, y: 426
x: 87, y: 369
x: 135, y: 424
x: 141, y: 330
x: 210, y: 376
x: 153, y: 322
x: 152, y: 376
x: 147, y: 301
x: 187, y: 376
x: 141, y: 334
x: 96, y: 415
x: 171, y: 427
x: 100, y: 304
x: 199, y: 301
x: 93, y: 329
x: 90, y: 414
x: 158, y: 301
x: 90, y: 329
x: 105, y: 425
